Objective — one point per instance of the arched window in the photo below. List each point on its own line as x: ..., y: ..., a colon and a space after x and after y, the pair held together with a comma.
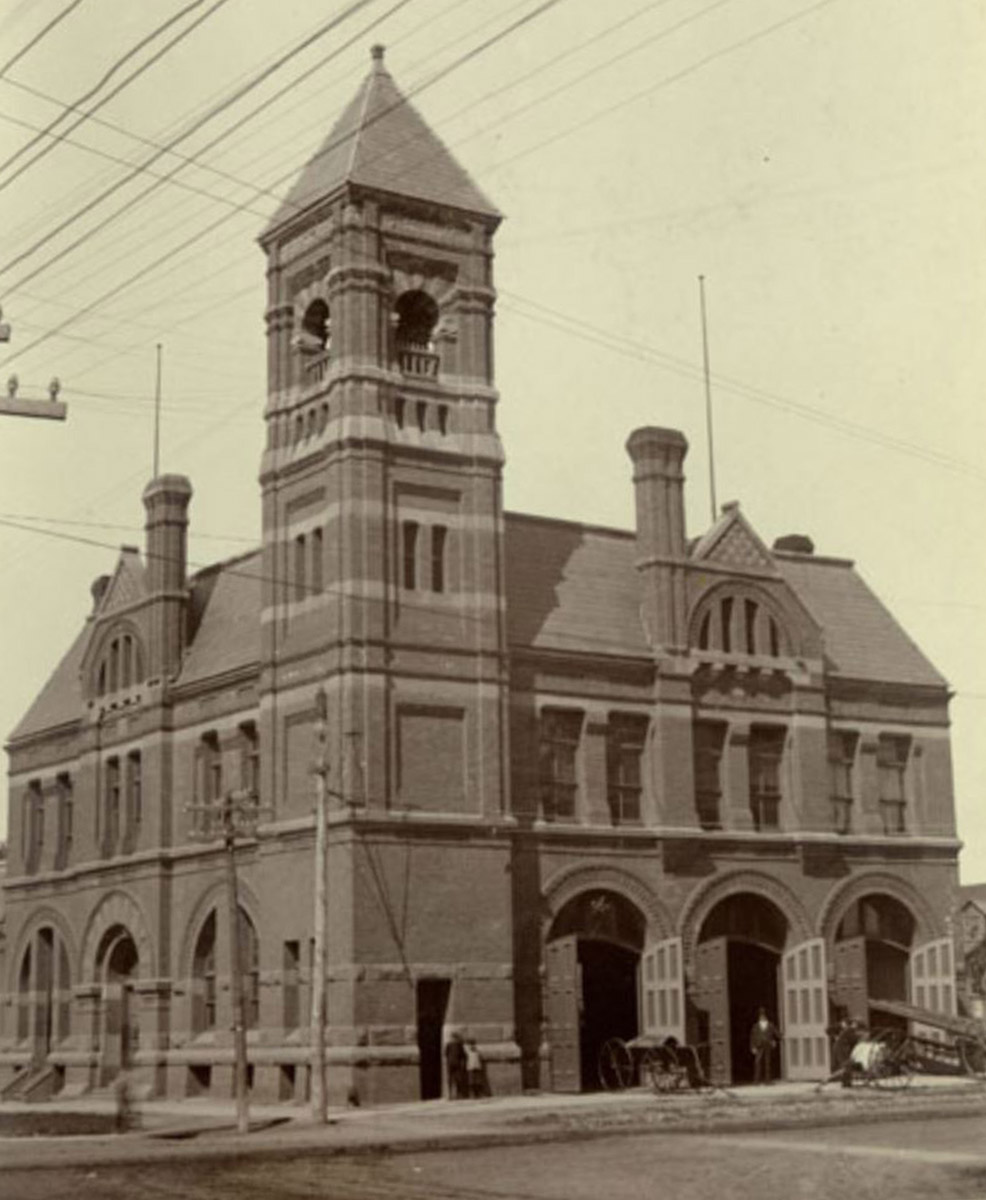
x: 739, y: 624
x: 315, y: 328
x: 417, y: 316
x: 250, y: 968
x: 204, y: 977
x: 24, y: 997
x: 121, y: 665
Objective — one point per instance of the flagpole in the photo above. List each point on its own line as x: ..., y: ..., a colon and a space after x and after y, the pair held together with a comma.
x: 708, y: 399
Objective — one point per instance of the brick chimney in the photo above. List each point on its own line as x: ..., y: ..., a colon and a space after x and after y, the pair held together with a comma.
x: 166, y: 502
x: 658, y: 456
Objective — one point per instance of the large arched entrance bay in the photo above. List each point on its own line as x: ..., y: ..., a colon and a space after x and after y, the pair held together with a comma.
x: 592, y: 960
x: 738, y: 961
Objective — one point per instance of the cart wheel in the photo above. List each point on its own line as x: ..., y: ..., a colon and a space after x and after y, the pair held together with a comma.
x: 660, y: 1068
x: 972, y: 1055
x: 615, y: 1065
x: 893, y: 1070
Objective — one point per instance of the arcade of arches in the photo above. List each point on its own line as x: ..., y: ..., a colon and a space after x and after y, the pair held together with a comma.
x: 607, y: 976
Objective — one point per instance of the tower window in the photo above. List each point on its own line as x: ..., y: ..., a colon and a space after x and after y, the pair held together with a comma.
x: 409, y: 554
x: 315, y: 328
x: 422, y: 412
x: 399, y: 405
x: 439, y: 537
x: 317, y: 564
x: 775, y: 639
x: 299, y: 567
x: 443, y: 419
x: 417, y: 316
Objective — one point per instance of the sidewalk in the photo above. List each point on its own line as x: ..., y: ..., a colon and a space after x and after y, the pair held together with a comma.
x: 206, y: 1128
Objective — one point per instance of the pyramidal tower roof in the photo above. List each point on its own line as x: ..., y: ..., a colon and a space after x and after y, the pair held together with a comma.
x: 380, y: 141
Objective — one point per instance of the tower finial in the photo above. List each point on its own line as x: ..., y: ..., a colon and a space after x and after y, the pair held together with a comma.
x: 376, y: 54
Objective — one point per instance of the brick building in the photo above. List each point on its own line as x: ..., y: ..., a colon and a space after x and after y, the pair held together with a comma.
x: 585, y: 782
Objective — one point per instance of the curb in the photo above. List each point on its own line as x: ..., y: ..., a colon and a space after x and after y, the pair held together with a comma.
x: 560, y: 1129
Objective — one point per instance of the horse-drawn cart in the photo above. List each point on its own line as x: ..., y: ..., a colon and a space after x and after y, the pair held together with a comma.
x: 939, y: 1037
x: 662, y: 1063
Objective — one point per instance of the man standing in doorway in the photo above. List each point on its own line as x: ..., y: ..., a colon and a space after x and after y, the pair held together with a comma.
x: 763, y: 1039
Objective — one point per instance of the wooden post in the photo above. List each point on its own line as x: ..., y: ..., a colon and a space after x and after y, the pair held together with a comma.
x: 236, y: 972
x: 319, y: 1091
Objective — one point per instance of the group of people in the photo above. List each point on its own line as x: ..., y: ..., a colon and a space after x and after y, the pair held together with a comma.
x: 466, y: 1069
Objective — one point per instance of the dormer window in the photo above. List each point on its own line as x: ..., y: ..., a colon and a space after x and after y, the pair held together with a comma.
x: 120, y: 666
x: 739, y: 624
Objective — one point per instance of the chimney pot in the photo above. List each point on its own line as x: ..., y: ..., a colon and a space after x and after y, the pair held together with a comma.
x: 795, y: 543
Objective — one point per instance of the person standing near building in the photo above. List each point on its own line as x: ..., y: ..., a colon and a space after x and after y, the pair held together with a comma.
x: 763, y: 1039
x: 455, y: 1065
x: 475, y: 1070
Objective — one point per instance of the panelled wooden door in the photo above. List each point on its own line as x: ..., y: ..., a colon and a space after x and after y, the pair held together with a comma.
x: 662, y: 990
x: 562, y: 1003
x: 712, y: 994
x: 932, y: 978
x: 850, y: 987
x: 804, y: 1009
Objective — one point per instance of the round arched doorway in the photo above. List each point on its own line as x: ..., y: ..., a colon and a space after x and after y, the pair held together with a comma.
x: 117, y: 962
x: 873, y: 947
x: 737, y: 963
x: 592, y: 963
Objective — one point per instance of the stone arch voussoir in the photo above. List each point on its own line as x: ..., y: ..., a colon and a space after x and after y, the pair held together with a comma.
x: 927, y: 924
x: 213, y: 896
x: 570, y: 882
x: 707, y: 895
x: 39, y: 919
x: 117, y: 908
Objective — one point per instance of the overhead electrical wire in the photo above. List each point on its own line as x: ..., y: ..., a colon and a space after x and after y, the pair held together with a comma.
x: 39, y: 37
x: 620, y: 344
x: 216, y: 110
x: 195, y: 238
x: 105, y: 78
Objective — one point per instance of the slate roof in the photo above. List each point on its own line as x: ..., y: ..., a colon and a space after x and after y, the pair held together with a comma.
x: 228, y: 634
x: 60, y: 700
x: 862, y: 638
x: 572, y: 587
x: 382, y: 142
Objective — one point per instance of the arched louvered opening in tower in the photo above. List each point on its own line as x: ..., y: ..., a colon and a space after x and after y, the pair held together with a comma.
x: 416, y: 316
x: 314, y: 341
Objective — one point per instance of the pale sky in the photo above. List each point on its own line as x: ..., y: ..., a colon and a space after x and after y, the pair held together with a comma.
x: 819, y: 162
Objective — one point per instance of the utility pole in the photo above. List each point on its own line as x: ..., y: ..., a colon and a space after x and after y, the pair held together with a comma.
x: 236, y: 814
x: 320, y: 771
